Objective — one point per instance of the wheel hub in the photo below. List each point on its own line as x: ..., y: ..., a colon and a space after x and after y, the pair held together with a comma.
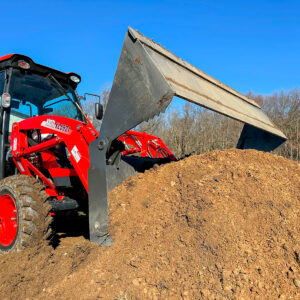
x: 8, y: 220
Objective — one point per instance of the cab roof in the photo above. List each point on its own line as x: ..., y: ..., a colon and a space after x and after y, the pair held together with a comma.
x: 11, y: 60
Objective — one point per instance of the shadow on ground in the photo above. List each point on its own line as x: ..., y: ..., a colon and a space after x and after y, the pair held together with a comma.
x: 69, y: 224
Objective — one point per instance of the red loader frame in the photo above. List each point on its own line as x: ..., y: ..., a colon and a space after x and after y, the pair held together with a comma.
x: 75, y: 136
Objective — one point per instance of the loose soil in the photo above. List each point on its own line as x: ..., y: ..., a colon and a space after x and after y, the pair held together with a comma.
x: 223, y: 225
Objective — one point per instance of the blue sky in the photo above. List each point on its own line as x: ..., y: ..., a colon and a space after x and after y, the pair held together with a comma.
x: 245, y: 44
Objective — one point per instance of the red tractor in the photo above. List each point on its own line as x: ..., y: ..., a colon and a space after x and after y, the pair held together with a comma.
x: 52, y: 159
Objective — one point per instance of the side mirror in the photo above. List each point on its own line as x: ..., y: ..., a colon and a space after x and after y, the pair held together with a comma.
x: 98, y: 111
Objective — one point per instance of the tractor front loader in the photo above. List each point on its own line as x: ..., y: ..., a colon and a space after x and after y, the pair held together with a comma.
x: 52, y: 159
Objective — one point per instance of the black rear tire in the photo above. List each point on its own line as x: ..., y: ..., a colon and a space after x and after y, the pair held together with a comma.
x: 32, y: 212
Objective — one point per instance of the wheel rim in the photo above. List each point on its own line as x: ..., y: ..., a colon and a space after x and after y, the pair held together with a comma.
x: 8, y: 220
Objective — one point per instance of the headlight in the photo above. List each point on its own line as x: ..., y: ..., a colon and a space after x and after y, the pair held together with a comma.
x: 23, y: 64
x: 5, y: 100
x: 75, y: 79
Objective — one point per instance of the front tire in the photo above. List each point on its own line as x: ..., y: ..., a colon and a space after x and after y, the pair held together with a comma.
x: 24, y: 213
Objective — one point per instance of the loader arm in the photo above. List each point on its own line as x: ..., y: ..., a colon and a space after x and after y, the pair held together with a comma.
x: 147, y: 78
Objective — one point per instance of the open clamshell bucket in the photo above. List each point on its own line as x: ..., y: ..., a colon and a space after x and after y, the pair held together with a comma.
x: 147, y: 78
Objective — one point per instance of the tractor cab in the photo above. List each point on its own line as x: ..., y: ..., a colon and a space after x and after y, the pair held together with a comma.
x: 28, y: 90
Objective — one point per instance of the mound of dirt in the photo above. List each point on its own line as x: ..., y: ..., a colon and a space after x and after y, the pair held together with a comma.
x: 223, y: 225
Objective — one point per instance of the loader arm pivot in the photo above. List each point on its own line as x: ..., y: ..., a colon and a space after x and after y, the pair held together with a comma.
x: 147, y: 78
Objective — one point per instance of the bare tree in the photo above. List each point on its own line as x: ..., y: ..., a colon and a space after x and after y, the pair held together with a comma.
x: 284, y: 109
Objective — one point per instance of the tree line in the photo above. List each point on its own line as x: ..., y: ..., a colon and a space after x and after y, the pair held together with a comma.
x: 190, y: 129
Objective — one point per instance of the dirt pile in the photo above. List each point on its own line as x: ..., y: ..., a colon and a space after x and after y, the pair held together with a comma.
x: 223, y: 225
